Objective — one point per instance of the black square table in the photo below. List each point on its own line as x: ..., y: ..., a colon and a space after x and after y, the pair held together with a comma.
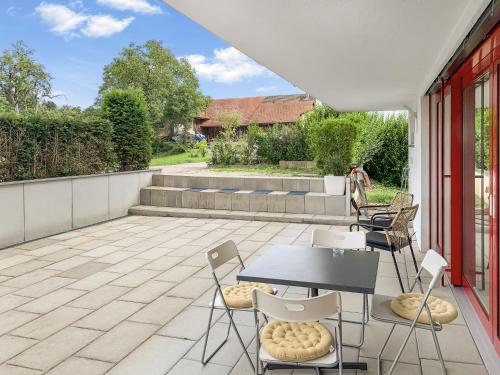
x: 317, y: 268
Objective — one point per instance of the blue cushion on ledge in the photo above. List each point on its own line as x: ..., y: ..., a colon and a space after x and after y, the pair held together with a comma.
x: 196, y: 190
x: 229, y: 190
x: 297, y: 193
x: 261, y: 191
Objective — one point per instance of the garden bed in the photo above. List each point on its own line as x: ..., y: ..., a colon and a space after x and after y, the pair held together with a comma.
x: 270, y: 169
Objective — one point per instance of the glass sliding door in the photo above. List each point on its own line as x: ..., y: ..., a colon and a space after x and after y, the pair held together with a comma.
x: 476, y: 188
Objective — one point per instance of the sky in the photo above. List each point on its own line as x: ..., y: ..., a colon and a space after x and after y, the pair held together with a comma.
x: 75, y: 39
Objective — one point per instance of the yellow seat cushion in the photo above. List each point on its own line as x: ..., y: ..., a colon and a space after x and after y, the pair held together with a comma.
x: 296, y: 342
x: 240, y: 295
x: 406, y: 305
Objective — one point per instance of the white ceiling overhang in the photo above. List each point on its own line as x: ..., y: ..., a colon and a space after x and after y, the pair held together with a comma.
x: 355, y: 55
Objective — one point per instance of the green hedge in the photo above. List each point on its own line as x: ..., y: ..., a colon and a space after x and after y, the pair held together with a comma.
x: 52, y: 145
x: 332, y: 140
x: 132, y: 133
x: 280, y: 142
x: 383, y: 148
x: 160, y: 146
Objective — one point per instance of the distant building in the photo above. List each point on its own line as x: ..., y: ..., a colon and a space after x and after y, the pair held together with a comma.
x: 260, y: 110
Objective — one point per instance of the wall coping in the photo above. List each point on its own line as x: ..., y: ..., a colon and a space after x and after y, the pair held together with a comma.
x: 64, y: 178
x: 240, y: 176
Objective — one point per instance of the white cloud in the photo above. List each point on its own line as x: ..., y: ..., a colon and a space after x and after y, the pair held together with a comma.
x: 12, y: 11
x: 76, y: 4
x: 138, y: 6
x: 67, y: 22
x: 266, y: 88
x: 101, y: 26
x: 227, y: 65
x: 61, y: 19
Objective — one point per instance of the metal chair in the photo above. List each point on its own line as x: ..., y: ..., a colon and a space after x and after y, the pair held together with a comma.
x: 343, y: 241
x: 338, y: 240
x: 384, y: 212
x: 394, y: 237
x: 435, y: 264
x: 216, y: 257
x: 299, y: 310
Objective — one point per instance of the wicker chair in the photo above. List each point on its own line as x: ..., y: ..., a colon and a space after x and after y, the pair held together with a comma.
x: 393, y: 237
x: 384, y: 212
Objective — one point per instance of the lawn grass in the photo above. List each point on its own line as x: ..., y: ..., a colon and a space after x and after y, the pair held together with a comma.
x: 185, y: 157
x: 268, y: 169
x: 381, y: 193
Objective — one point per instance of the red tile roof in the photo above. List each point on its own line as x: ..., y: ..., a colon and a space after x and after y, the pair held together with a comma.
x: 259, y: 109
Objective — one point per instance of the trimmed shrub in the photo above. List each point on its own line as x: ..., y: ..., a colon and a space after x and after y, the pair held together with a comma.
x: 52, y: 145
x: 166, y: 148
x: 331, y: 141
x: 281, y: 142
x: 132, y: 134
x: 383, y: 148
x: 230, y: 152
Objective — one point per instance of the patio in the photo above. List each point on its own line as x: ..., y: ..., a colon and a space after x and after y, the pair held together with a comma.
x: 130, y: 296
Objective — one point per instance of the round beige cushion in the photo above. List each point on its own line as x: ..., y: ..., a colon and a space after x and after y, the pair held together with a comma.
x: 406, y: 305
x: 296, y: 342
x: 240, y: 295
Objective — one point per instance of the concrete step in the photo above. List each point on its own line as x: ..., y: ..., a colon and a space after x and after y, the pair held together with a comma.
x: 241, y: 215
x: 293, y: 202
x: 308, y: 184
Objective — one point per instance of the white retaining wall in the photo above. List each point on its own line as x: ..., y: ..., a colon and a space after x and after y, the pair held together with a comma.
x: 38, y: 208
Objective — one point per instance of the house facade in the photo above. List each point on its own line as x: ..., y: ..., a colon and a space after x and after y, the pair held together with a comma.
x: 440, y: 61
x: 259, y: 110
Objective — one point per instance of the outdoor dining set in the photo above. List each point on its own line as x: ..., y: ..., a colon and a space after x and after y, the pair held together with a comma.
x: 307, y: 332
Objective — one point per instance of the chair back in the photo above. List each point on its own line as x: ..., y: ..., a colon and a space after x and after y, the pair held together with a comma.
x: 338, y: 240
x: 297, y: 309
x: 222, y: 254
x: 398, y: 235
x: 435, y: 264
x: 401, y: 200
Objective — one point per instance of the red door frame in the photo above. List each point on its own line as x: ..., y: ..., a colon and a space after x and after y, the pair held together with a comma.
x: 485, y: 58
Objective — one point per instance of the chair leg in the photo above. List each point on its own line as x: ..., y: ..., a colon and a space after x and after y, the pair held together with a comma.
x: 232, y: 323
x: 413, y: 254
x: 438, y: 350
x: 397, y: 271
x: 395, y: 362
x: 205, y: 360
x: 379, y: 356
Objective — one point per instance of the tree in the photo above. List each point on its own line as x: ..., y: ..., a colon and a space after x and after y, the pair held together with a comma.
x: 318, y: 113
x: 170, y: 85
x: 230, y: 120
x: 23, y: 82
x: 132, y: 134
x: 4, y: 104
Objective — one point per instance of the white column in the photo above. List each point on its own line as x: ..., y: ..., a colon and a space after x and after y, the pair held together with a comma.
x: 418, y: 181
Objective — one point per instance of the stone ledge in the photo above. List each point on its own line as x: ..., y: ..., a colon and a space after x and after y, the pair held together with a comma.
x: 240, y: 215
x: 285, y: 183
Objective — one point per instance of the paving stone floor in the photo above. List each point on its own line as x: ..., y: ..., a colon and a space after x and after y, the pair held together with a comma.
x: 130, y: 297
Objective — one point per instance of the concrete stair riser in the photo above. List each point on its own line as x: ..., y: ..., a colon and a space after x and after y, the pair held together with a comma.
x: 308, y: 184
x: 244, y: 200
